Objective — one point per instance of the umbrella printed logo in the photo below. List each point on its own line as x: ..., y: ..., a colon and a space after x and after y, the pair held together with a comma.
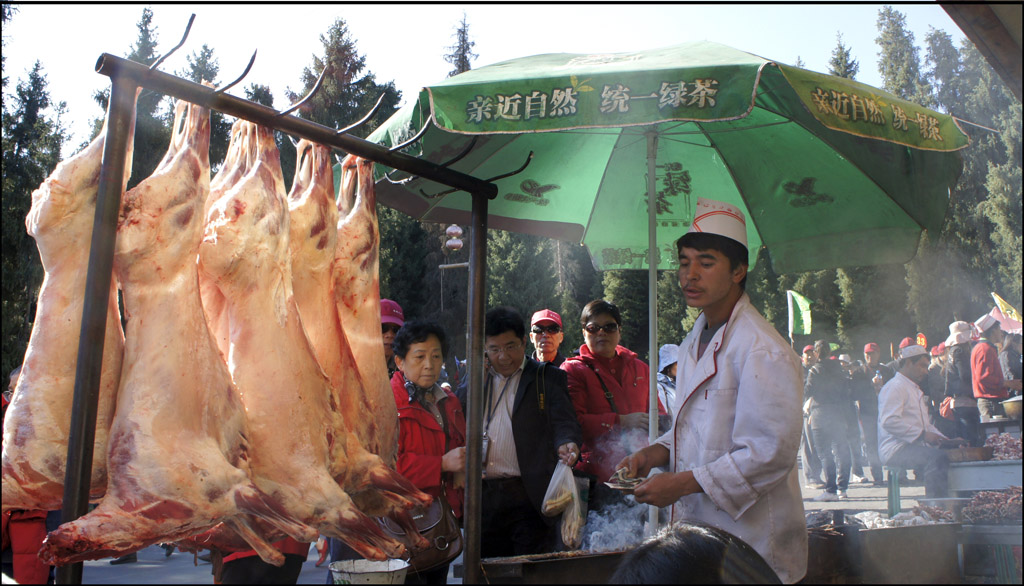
x: 804, y: 193
x: 534, y: 193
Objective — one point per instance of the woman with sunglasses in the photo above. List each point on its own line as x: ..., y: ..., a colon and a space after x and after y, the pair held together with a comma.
x: 609, y: 388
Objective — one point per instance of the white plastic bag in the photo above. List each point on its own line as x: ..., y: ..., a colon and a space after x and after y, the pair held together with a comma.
x: 574, y: 518
x: 561, y: 491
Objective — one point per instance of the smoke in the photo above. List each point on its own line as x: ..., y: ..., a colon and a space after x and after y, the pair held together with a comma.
x: 615, y: 527
x: 618, y: 443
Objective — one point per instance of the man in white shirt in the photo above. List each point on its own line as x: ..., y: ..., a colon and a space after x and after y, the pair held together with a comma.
x: 906, y: 436
x: 529, y: 425
x: 736, y: 424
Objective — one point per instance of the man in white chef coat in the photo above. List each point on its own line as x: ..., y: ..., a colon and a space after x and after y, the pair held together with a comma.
x: 736, y: 431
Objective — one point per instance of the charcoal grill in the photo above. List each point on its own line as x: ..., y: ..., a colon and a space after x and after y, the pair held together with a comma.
x: 568, y: 567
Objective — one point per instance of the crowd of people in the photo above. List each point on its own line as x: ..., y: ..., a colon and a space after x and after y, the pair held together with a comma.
x: 902, y: 414
x: 729, y: 417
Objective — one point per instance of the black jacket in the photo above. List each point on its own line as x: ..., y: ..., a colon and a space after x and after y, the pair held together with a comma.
x: 540, y: 423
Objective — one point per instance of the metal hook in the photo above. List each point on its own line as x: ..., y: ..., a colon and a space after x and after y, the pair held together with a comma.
x: 412, y: 140
x: 491, y: 180
x: 312, y: 92
x: 363, y: 120
x: 225, y: 88
x: 176, y: 47
x: 449, y: 162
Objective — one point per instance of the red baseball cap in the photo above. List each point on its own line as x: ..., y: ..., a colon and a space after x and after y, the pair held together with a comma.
x: 391, y: 313
x: 808, y: 348
x: 907, y: 342
x: 871, y: 347
x: 938, y: 350
x: 546, y: 315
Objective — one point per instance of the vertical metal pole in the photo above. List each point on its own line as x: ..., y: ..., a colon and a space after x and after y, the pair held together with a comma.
x: 94, y: 314
x: 652, y: 302
x: 477, y: 278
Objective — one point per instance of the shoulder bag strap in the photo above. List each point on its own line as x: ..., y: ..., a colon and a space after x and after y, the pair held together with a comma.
x: 607, y: 393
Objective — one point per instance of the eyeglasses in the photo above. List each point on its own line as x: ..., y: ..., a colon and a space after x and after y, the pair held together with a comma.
x: 506, y: 349
x: 609, y: 328
x: 546, y: 330
x: 385, y: 328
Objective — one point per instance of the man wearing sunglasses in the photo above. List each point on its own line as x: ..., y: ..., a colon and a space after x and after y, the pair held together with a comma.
x: 546, y: 335
x: 736, y: 429
x: 391, y: 320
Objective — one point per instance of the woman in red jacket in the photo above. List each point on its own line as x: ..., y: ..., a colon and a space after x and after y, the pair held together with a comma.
x: 609, y: 389
x: 432, y: 427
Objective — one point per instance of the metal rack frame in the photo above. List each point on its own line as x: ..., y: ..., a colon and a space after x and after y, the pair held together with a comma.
x: 126, y: 76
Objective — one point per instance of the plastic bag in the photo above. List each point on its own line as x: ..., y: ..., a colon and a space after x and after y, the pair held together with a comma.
x: 561, y: 491
x: 574, y: 518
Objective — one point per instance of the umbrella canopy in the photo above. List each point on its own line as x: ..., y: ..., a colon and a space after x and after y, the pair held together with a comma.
x: 830, y: 172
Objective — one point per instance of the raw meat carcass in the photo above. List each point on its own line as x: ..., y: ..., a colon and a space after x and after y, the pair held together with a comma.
x: 377, y: 489
x: 236, y: 165
x: 357, y: 293
x: 287, y: 396
x: 179, y: 449
x: 39, y: 418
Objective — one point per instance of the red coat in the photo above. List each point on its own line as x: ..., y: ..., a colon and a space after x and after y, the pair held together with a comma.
x: 595, y: 413
x: 421, y: 442
x: 24, y: 532
x: 986, y: 373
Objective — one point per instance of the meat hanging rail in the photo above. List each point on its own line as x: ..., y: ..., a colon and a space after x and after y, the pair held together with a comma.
x: 126, y: 76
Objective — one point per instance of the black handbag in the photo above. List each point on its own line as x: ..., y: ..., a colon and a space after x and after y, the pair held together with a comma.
x: 436, y: 523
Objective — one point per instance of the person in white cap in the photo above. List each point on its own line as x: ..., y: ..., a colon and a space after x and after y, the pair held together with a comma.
x: 906, y: 436
x: 736, y: 426
x: 990, y: 388
x: 966, y: 417
x: 668, y: 362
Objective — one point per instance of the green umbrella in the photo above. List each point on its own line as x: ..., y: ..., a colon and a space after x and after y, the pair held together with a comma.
x: 829, y: 172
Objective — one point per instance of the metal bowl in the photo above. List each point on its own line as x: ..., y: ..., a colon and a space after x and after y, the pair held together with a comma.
x: 1012, y: 408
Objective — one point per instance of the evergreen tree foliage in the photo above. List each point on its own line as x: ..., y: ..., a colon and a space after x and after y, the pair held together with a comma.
x: 628, y: 290
x: 33, y: 134
x: 348, y: 92
x: 152, y: 126
x: 842, y: 63
x: 898, y: 60
x: 462, y: 51
x: 520, y: 272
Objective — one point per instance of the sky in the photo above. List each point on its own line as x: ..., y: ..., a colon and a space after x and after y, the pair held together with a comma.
x: 405, y: 43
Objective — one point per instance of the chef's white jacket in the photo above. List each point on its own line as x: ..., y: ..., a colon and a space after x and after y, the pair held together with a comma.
x: 737, y: 425
x: 902, y: 415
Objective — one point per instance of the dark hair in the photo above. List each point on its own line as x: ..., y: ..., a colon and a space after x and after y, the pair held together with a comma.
x: 733, y: 250
x: 988, y: 331
x: 503, y: 319
x: 597, y: 307
x: 694, y: 553
x: 823, y: 349
x: 416, y: 331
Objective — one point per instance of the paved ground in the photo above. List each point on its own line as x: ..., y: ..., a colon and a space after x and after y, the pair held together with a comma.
x: 180, y: 568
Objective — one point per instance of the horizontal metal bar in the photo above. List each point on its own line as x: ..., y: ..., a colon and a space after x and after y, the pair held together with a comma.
x: 458, y: 265
x: 114, y: 67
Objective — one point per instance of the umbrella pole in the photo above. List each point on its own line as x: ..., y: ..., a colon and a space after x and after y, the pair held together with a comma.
x: 474, y: 476
x: 652, y: 303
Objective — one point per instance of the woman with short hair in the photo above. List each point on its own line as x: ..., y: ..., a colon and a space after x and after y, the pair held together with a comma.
x: 431, y: 425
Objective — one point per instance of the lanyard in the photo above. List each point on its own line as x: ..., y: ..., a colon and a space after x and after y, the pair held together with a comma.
x: 490, y: 406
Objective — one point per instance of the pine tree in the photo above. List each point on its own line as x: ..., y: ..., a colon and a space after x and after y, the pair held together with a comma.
x: 842, y: 63
x: 462, y: 51
x: 33, y: 134
x: 628, y: 290
x: 152, y: 127
x: 898, y: 60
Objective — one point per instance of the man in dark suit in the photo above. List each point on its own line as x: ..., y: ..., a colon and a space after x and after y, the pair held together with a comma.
x: 529, y: 424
